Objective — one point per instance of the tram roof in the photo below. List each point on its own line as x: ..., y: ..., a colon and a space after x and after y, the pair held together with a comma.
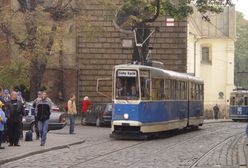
x: 242, y: 91
x: 161, y: 72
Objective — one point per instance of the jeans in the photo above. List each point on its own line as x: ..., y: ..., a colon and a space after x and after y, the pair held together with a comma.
x: 43, y: 127
x: 72, y: 123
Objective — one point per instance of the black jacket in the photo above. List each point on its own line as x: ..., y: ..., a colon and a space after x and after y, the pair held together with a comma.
x: 43, y: 111
x: 14, y: 111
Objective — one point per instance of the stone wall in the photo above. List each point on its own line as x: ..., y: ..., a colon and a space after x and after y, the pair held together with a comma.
x: 98, y: 53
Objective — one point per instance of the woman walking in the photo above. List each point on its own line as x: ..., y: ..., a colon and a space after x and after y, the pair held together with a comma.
x: 72, y: 111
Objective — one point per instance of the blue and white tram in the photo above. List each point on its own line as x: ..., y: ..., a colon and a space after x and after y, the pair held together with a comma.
x: 148, y: 100
x: 238, y: 105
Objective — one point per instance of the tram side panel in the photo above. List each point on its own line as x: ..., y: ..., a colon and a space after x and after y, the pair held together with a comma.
x: 196, y: 115
x: 238, y: 112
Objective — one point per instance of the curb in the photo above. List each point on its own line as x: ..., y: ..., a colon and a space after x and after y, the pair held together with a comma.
x: 216, y: 121
x: 40, y: 151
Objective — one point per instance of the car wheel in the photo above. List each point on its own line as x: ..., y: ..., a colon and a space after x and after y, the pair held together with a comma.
x: 83, y: 121
x: 98, y: 122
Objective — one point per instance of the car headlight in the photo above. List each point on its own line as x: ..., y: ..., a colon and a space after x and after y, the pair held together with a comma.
x: 126, y: 116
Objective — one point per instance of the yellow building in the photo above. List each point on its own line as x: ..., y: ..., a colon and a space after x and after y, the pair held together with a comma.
x: 210, y: 53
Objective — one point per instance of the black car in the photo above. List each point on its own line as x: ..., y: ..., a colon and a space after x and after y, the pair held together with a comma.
x: 99, y: 114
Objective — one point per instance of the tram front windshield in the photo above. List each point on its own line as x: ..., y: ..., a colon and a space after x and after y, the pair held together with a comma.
x: 127, y: 85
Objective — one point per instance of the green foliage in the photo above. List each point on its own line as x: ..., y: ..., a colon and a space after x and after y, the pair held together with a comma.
x: 141, y: 10
x: 241, y: 51
x: 14, y: 74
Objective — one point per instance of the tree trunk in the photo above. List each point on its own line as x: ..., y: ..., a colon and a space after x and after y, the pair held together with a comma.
x: 37, y: 70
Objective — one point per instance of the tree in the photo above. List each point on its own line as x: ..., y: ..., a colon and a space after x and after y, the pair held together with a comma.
x: 241, y: 51
x: 35, y: 30
x: 137, y: 14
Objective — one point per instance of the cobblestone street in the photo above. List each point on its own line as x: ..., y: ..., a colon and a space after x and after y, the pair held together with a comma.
x: 213, y: 145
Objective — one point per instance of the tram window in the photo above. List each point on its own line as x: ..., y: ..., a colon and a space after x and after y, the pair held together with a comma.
x: 232, y: 101
x: 246, y: 101
x: 157, y: 89
x: 182, y: 90
x: 167, y: 89
x: 201, y: 92
x: 145, y: 88
x: 193, y: 96
x: 127, y: 85
x: 178, y: 90
x: 161, y: 89
x: 239, y: 101
x: 172, y: 89
x: 197, y: 91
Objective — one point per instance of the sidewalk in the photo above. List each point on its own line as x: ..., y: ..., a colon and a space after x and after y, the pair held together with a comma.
x: 54, y: 141
x: 207, y: 121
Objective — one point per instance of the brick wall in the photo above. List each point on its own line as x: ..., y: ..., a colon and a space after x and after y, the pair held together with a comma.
x: 56, y: 81
x: 98, y: 54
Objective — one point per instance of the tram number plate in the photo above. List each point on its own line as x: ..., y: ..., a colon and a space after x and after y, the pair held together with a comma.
x: 239, y: 110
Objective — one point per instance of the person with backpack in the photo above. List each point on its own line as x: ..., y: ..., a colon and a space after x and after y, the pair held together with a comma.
x: 2, y: 123
x: 43, y: 108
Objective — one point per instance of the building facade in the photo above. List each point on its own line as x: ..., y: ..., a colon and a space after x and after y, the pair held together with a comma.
x: 211, y: 56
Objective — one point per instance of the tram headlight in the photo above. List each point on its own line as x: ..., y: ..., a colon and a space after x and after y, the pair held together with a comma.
x: 126, y: 116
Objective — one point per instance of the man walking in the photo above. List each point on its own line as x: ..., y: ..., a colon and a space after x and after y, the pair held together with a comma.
x: 43, y: 108
x: 35, y: 117
x: 15, y: 111
x: 216, y: 111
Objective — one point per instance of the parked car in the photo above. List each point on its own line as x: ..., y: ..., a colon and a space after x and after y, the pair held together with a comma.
x: 99, y: 114
x: 57, y: 119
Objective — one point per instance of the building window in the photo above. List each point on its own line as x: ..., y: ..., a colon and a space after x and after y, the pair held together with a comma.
x: 206, y: 57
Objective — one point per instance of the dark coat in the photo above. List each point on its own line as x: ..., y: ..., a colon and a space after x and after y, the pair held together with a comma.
x: 43, y: 110
x: 14, y: 111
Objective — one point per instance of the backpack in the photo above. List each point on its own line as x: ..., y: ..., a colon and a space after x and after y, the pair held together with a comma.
x: 29, y: 136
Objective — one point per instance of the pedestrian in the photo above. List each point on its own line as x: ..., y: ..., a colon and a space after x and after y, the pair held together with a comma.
x: 6, y: 96
x: 35, y: 115
x: 85, y: 105
x: 216, y: 111
x: 2, y: 123
x: 20, y: 98
x: 15, y: 112
x: 72, y: 111
x: 43, y: 108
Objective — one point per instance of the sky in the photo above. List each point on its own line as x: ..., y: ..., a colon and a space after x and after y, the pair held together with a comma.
x: 242, y: 6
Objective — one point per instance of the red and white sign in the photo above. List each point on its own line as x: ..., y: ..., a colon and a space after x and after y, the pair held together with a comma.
x: 169, y: 21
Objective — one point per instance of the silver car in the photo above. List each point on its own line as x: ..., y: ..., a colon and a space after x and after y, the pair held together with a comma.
x: 57, y: 119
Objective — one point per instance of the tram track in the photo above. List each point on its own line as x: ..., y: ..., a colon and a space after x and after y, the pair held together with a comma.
x: 176, y: 149
x: 195, y: 163
x: 147, y: 142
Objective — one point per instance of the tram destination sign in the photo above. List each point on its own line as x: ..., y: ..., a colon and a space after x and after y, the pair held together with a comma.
x: 127, y: 73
